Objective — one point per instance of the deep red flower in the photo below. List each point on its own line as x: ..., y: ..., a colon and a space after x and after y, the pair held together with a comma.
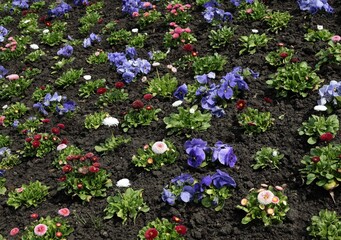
x: 67, y: 168
x: 46, y: 120
x: 28, y: 140
x: 151, y: 233
x: 24, y: 131
x: 94, y: 158
x: 34, y: 215
x: 315, y: 159
x: 101, y: 90
x: 24, y: 12
x: 326, y: 137
x: 82, y: 159
x: 100, y: 20
x: 62, y: 179
x: 295, y: 60
x: 241, y: 104
x: 89, y: 155
x: 65, y: 141
x: 119, y: 85
x: 48, y: 24
x: 70, y: 158
x: 181, y: 229
x: 147, y: 96
x: 137, y: 104
x: 37, y: 137
x: 55, y: 130
x: 188, y: 47
x: 149, y: 107
x: 42, y: 19
x: 93, y: 169
x: 42, y: 87
x: 80, y: 186
x: 96, y: 164
x: 283, y: 54
x: 35, y: 144
x: 60, y: 126
x: 268, y: 100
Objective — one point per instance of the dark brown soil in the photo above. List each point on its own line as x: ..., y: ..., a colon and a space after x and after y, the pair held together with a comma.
x: 305, y: 201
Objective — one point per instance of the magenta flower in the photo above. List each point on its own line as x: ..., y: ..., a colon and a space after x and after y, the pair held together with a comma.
x: 64, y: 212
x: 40, y: 229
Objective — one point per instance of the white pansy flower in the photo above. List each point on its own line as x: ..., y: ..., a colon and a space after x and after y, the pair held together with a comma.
x: 177, y: 103
x: 110, y: 121
x: 320, y: 108
x: 87, y: 77
x: 159, y: 147
x: 124, y: 182
x: 34, y: 46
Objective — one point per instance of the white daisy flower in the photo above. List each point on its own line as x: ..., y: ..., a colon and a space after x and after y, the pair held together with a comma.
x: 110, y: 121
x: 265, y: 197
x: 124, y: 182
x: 159, y: 147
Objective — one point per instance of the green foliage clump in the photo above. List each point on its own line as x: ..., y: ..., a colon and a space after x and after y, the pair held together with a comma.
x: 94, y: 120
x: 221, y: 37
x: 267, y: 157
x: 90, y: 87
x: 112, y: 143
x: 323, y: 166
x: 212, y: 63
x: 126, y: 205
x: 318, y: 125
x: 162, y: 86
x: 69, y: 78
x: 254, y: 121
x: 295, y: 77
x: 150, y: 160
x: 327, y: 225
x: 278, y: 20
x: 14, y: 112
x: 187, y: 120
x: 318, y: 35
x: 29, y: 195
x: 253, y: 42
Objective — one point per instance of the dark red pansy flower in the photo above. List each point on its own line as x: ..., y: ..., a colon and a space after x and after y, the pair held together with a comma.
x: 268, y: 100
x: 67, y: 168
x: 147, y: 96
x: 181, y: 229
x: 151, y: 233
x: 46, y: 120
x: 315, y: 159
x: 326, y: 137
x: 93, y: 169
x: 61, y: 179
x: 283, y: 54
x: 37, y: 137
x: 35, y: 144
x: 55, y: 130
x: 188, y: 47
x: 137, y: 104
x: 295, y: 60
x: 119, y: 85
x: 89, y: 155
x: 241, y: 104
x: 101, y: 90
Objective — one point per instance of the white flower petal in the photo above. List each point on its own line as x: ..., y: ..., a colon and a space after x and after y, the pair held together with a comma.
x: 135, y: 30
x: 34, y: 46
x: 177, y: 103
x: 319, y: 27
x: 110, y: 121
x: 124, y: 182
x: 321, y: 108
x: 87, y: 77
x: 254, y: 30
x: 156, y: 64
x: 61, y: 147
